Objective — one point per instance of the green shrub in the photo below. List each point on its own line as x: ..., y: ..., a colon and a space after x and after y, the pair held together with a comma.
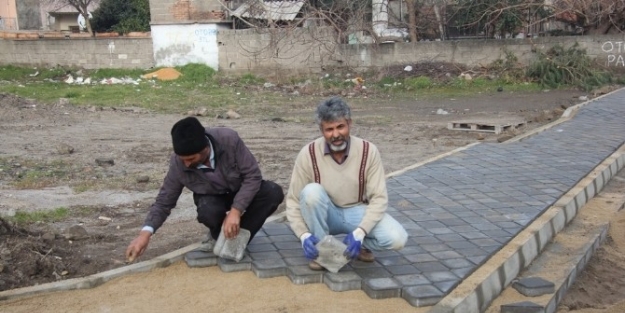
x: 561, y: 66
x: 196, y: 73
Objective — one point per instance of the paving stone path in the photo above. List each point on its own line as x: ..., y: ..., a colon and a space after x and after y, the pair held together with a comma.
x: 458, y: 210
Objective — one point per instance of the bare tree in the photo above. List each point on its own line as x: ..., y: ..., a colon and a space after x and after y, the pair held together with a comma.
x: 592, y: 16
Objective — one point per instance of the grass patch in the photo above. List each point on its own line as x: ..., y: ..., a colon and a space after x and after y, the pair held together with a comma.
x: 201, y: 87
x: 55, y: 215
x: 24, y: 74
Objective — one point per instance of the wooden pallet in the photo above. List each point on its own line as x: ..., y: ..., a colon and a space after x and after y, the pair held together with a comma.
x: 486, y: 127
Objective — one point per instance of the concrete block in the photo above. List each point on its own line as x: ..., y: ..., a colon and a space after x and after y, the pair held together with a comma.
x: 301, y: 275
x: 268, y: 268
x: 343, y: 281
x: 298, y: 260
x: 441, y: 276
x: 421, y: 295
x: 227, y: 266
x: 199, y: 258
x: 382, y: 288
x: 269, y: 255
x: 522, y: 307
x: 533, y: 286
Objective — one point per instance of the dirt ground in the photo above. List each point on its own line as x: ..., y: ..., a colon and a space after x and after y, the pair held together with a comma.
x: 601, y: 287
x: 105, y: 167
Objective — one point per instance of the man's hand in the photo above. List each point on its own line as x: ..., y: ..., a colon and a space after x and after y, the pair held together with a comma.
x: 138, y: 246
x: 353, y: 242
x: 232, y: 223
x: 308, y: 243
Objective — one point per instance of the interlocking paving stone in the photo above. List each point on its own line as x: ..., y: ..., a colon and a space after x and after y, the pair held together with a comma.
x: 269, y: 255
x: 269, y: 268
x: 423, y: 295
x: 402, y: 269
x: 197, y: 258
x: 342, y: 281
x: 376, y: 272
x: 459, y: 210
x: 457, y: 263
x: 302, y: 274
x: 533, y: 286
x: 382, y: 288
x: 232, y: 266
x: 441, y: 276
x: 296, y: 261
x: 261, y: 247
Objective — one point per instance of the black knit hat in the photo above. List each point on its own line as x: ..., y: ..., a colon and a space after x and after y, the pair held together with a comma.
x: 188, y: 136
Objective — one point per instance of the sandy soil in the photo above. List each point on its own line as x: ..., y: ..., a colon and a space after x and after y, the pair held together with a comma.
x: 48, y: 160
x: 601, y: 287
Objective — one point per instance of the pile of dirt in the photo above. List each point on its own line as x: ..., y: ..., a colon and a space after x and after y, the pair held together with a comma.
x: 29, y: 258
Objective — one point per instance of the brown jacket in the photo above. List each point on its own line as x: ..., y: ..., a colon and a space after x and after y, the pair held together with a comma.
x: 236, y: 163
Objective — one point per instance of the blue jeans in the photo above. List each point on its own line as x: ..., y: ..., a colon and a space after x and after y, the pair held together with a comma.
x: 324, y: 218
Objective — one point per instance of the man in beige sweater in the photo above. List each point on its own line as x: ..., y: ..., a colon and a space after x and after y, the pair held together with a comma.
x: 338, y: 187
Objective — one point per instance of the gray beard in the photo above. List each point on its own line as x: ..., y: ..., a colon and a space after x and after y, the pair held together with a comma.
x: 338, y: 148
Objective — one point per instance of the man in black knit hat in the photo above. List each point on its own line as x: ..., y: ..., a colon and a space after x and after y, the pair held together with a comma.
x: 228, y: 189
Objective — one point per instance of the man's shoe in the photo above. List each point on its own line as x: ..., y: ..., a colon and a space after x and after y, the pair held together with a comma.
x: 365, y: 255
x: 315, y: 266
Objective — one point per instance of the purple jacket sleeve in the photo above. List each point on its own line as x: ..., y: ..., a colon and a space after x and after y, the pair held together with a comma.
x: 167, y: 198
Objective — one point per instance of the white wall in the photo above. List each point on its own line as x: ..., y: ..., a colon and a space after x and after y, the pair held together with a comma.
x: 176, y: 45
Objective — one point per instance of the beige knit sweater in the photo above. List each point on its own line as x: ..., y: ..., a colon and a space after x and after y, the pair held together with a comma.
x: 360, y: 179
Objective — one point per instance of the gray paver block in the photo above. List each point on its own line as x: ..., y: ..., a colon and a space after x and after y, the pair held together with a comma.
x: 260, y: 240
x: 281, y: 238
x: 287, y: 245
x: 269, y: 268
x: 232, y: 266
x: 198, y: 258
x: 534, y: 286
x: 457, y: 263
x: 391, y: 261
x: 377, y: 272
x: 412, y: 279
x: 296, y: 260
x: 431, y: 267
x: 291, y: 253
x: 402, y: 269
x: 441, y: 276
x: 342, y: 281
x: 522, y: 307
x: 269, y: 255
x: 382, y: 288
x: 302, y: 274
x: 422, y: 295
x: 446, y: 286
x: 420, y: 257
x: 261, y: 247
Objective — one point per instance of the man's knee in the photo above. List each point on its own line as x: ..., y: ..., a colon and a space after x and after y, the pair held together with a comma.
x: 312, y: 194
x: 394, y: 239
x: 209, y: 218
x: 398, y: 239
